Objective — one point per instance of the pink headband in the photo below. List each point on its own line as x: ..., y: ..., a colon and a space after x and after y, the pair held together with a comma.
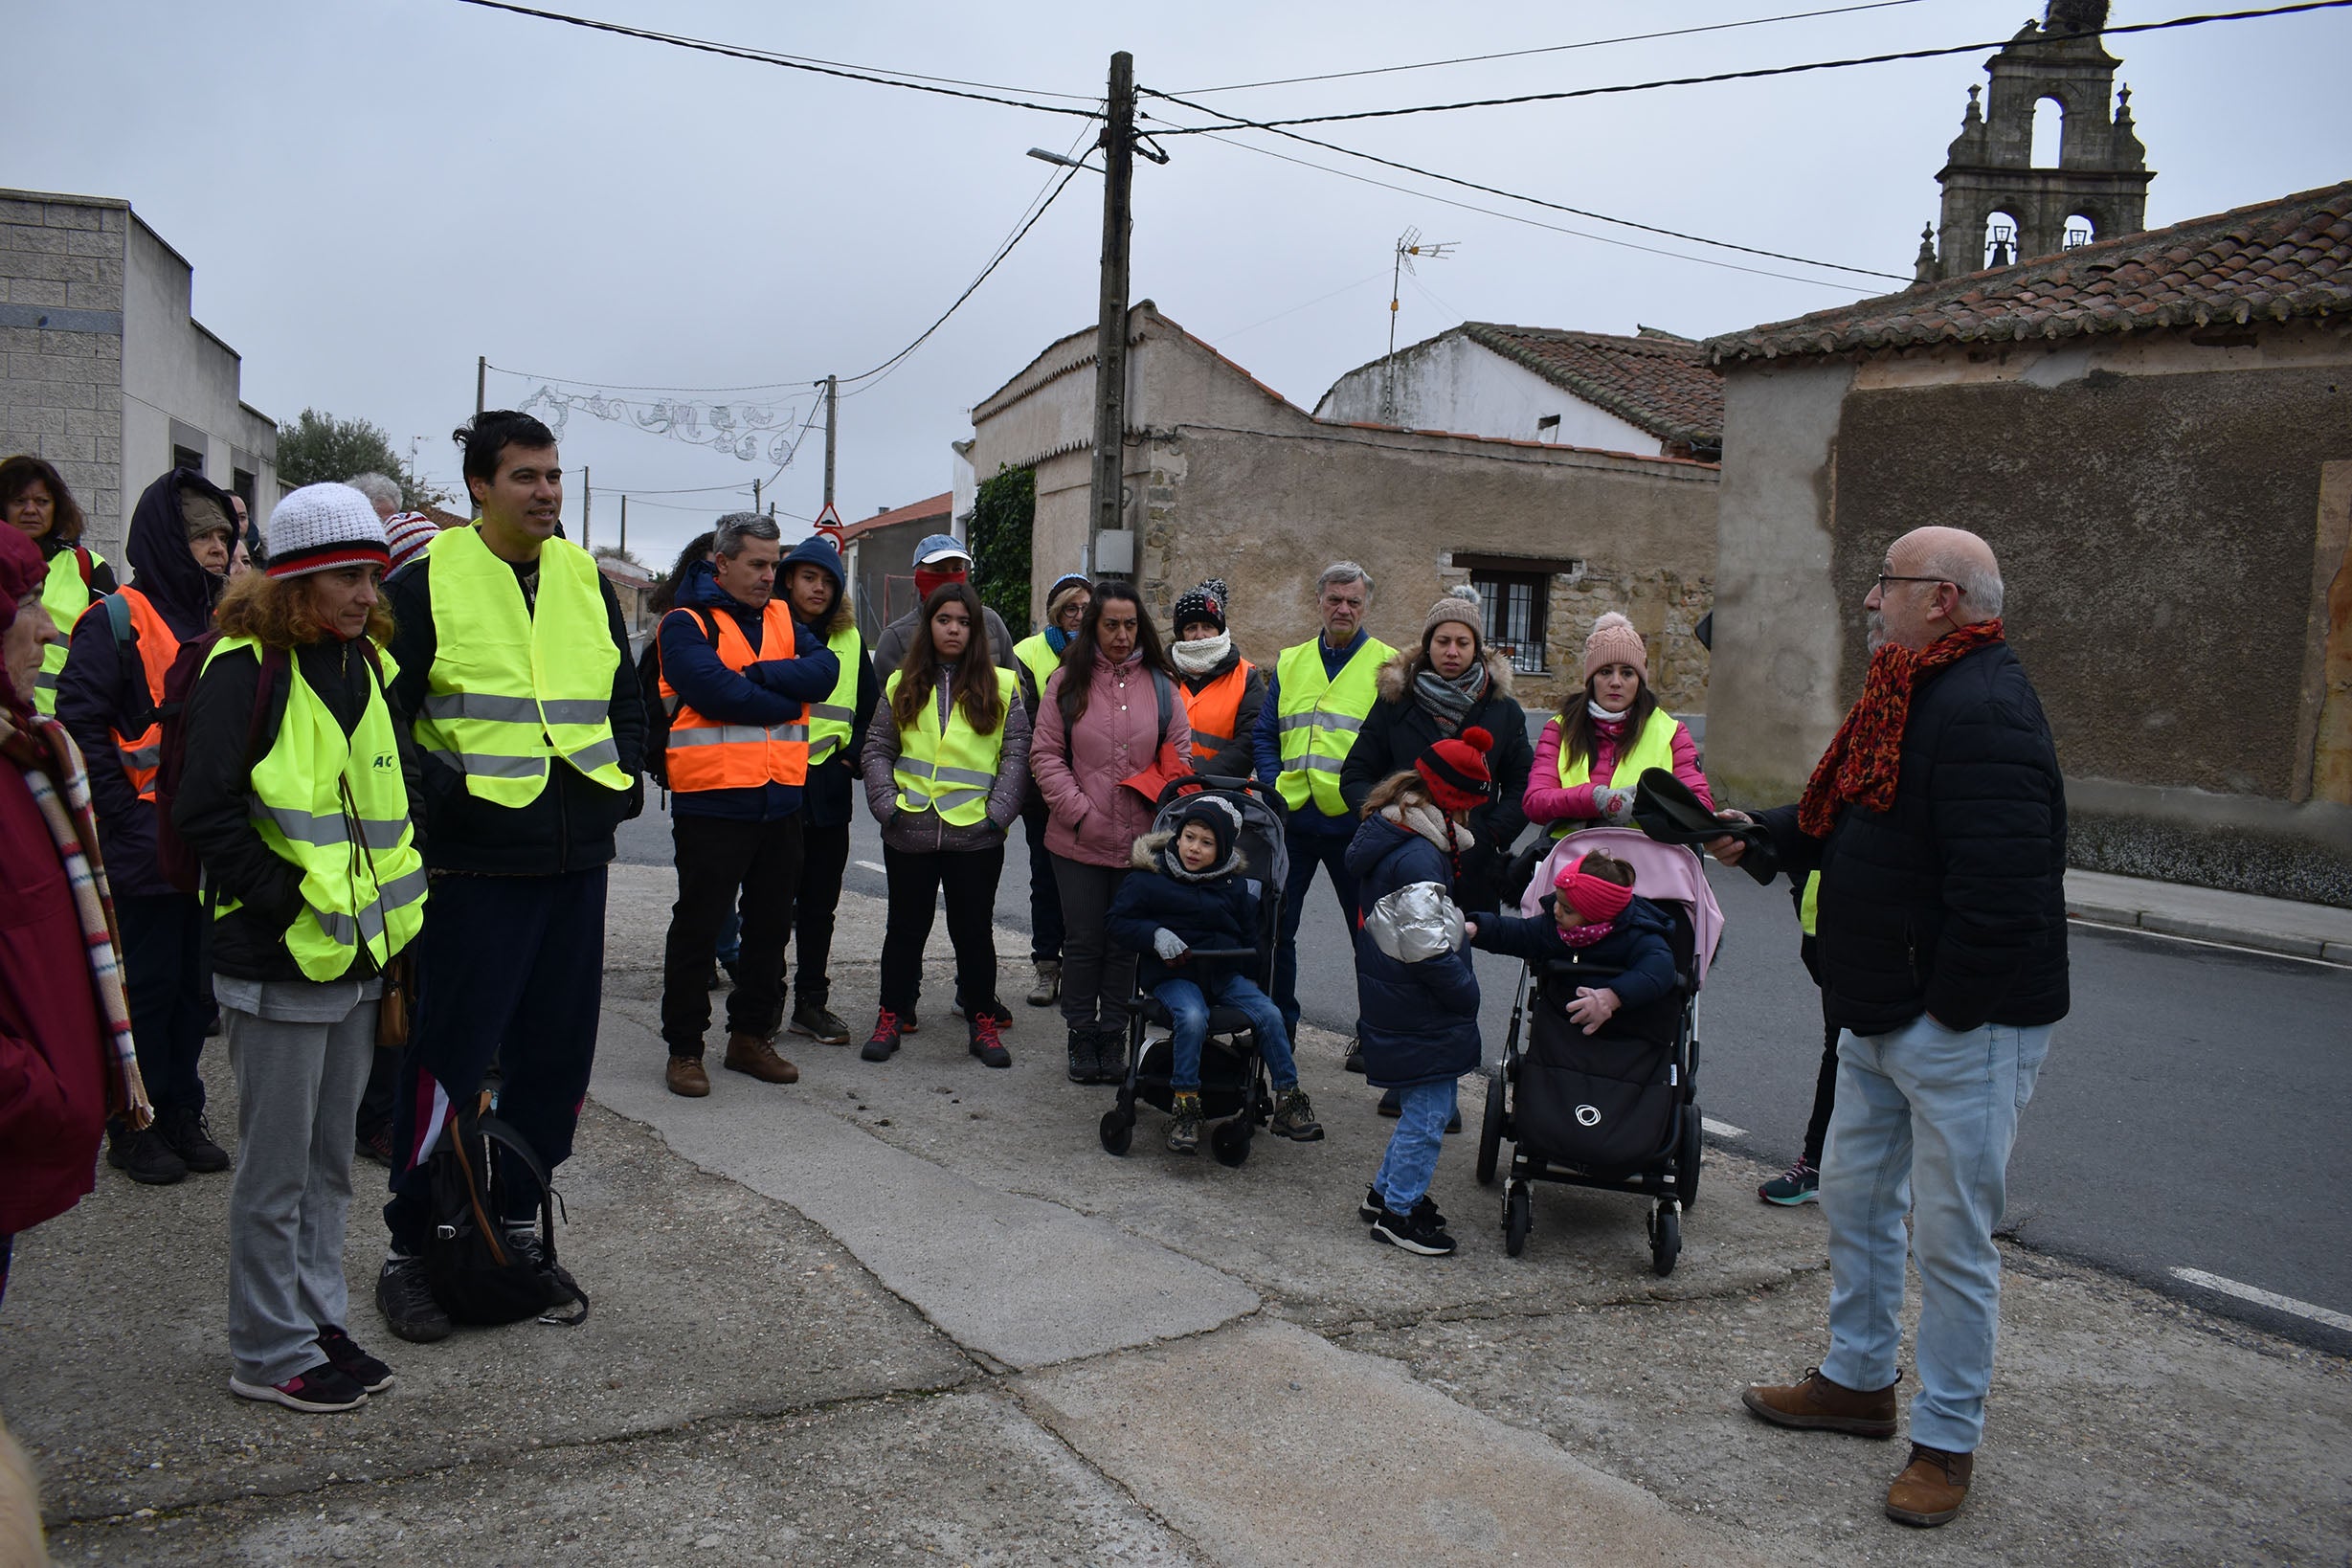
x: 1594, y: 898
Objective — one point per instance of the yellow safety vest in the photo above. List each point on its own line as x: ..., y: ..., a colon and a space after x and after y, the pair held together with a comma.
x: 1653, y: 748
x: 1808, y: 909
x: 510, y: 687
x: 371, y: 891
x: 65, y: 596
x: 1039, y: 655
x: 950, y: 773
x: 1319, y: 719
x: 830, y: 721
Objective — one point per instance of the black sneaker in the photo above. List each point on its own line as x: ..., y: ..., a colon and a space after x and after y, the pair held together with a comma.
x: 1110, y: 1056
x: 1372, y: 1208
x: 321, y: 1391
x: 882, y: 1044
x: 144, y: 1157
x: 369, y: 1373
x: 1082, y: 1056
x: 405, y: 1297
x: 826, y: 1028
x: 190, y: 1137
x: 1356, y: 1057
x: 1418, y: 1232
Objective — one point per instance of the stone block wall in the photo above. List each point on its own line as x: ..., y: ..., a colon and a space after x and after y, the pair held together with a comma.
x: 61, y: 347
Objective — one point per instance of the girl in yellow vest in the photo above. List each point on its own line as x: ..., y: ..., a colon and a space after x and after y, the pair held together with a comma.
x: 1607, y: 733
x: 294, y: 793
x: 947, y: 760
x: 34, y: 499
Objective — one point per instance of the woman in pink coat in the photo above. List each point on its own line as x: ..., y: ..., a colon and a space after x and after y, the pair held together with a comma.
x: 1608, y: 731
x: 1104, y: 718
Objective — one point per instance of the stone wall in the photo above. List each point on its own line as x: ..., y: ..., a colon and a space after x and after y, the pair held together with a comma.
x: 61, y: 347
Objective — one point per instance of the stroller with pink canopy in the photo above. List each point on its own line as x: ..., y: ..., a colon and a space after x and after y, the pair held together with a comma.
x: 1617, y: 1111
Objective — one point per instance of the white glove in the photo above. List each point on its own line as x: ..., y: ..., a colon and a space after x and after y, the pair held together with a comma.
x: 1167, y: 945
x: 1616, y: 806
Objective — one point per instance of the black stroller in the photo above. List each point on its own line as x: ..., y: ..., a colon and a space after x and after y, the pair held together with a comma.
x: 1235, y: 1093
x: 1617, y: 1111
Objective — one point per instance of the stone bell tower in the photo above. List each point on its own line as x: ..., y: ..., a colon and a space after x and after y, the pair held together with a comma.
x: 1998, y: 208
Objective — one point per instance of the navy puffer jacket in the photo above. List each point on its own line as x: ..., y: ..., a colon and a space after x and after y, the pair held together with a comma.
x: 1218, y: 910
x: 1419, y: 1021
x: 1637, y: 944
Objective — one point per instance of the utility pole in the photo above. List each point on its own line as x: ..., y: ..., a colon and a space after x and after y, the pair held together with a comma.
x: 585, y: 495
x: 1106, y: 513
x: 624, y: 524
x: 833, y: 405
x: 481, y: 375
x: 755, y: 494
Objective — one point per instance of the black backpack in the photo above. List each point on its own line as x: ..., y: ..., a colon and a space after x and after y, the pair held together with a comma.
x: 661, y: 710
x: 476, y: 1275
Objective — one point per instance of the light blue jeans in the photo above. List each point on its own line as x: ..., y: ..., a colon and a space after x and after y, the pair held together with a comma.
x: 1190, y: 1011
x: 1925, y: 1120
x: 1422, y: 1111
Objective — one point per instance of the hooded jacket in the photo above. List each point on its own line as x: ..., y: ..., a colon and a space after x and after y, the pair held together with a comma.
x: 831, y: 788
x: 1419, y: 1022
x: 769, y: 692
x: 1399, y: 729
x: 102, y: 687
x: 1211, y: 908
x: 1637, y: 945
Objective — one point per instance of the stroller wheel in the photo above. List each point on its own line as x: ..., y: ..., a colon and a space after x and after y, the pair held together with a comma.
x: 1118, y: 1132
x: 1687, y: 1158
x: 1516, y: 1218
x: 1665, y: 1238
x: 1491, y: 1130
x: 1230, y: 1142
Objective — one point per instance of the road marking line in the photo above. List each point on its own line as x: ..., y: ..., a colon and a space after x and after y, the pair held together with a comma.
x: 872, y: 866
x: 1722, y: 1129
x: 2264, y: 1298
x: 2314, y: 959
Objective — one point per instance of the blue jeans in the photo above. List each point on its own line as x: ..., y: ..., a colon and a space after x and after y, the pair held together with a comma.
x: 1190, y: 1010
x: 1422, y: 1111
x: 1924, y: 1121
x: 1307, y: 851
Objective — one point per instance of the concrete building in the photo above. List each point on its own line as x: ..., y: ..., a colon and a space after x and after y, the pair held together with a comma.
x: 2155, y: 433
x: 109, y: 376
x: 1227, y: 479
x: 878, y: 553
x: 1653, y: 393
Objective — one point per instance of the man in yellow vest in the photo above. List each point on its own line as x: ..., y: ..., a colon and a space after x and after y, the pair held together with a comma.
x: 515, y: 681
x: 1321, y: 692
x: 1039, y: 656
x: 742, y: 674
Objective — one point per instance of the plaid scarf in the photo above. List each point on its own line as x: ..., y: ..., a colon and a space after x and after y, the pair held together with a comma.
x: 1866, y: 757
x: 1449, y: 703
x: 60, y: 788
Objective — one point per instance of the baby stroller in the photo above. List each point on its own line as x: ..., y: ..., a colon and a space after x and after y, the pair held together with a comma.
x: 1617, y: 1111
x: 1234, y: 1089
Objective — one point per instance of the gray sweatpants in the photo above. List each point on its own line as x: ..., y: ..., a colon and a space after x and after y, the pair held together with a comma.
x: 298, y: 1088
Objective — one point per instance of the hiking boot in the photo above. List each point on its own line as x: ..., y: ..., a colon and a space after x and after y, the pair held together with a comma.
x: 1082, y: 1056
x: 1800, y: 1183
x: 882, y: 1044
x: 321, y: 1391
x: 1184, y: 1125
x: 369, y: 1373
x: 1392, y: 1105
x: 984, y: 1042
x: 190, y: 1137
x: 994, y: 1010
x: 405, y: 1297
x: 1355, y: 1058
x: 685, y: 1075
x: 755, y: 1057
x: 1932, y: 1486
x: 375, y: 1143
x: 1110, y: 1056
x: 1819, y: 1405
x: 1294, y: 1118
x: 811, y: 1018
x: 907, y: 1024
x: 144, y: 1157
x: 1372, y: 1207
x: 1048, y: 984
x: 1418, y: 1232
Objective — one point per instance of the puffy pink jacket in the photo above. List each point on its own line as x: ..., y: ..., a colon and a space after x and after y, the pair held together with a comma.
x: 1545, y: 802
x: 1094, y: 819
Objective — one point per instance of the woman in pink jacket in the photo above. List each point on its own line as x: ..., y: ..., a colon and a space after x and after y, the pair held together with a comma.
x: 1595, y: 750
x: 1104, y: 718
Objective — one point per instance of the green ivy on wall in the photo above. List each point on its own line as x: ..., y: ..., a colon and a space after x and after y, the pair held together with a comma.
x: 1002, y: 517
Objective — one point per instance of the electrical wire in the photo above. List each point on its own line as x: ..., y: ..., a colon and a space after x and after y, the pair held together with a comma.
x: 1548, y: 49
x: 1347, y: 288
x: 789, y: 63
x: 1758, y: 71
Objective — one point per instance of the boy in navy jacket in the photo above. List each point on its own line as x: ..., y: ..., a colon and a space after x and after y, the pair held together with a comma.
x: 1591, y: 913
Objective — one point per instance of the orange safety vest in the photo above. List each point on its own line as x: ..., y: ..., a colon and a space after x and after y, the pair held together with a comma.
x: 1214, y: 708
x: 157, y: 648
x: 707, y: 753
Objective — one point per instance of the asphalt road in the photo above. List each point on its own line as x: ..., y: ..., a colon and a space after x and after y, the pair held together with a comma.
x: 2190, y: 1115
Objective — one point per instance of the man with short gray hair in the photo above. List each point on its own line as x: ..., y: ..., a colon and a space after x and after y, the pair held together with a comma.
x: 382, y: 493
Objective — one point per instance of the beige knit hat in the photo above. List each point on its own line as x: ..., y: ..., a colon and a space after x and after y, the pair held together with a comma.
x: 1615, y: 641
x: 1462, y: 606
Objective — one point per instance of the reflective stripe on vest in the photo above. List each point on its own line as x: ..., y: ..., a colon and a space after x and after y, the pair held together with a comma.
x: 1318, y: 718
x: 65, y: 597
x: 511, y: 686
x: 1808, y: 909
x: 371, y: 891
x: 706, y: 753
x: 1214, y: 709
x: 1652, y: 747
x: 951, y: 774
x: 1038, y: 657
x: 158, y: 648
x: 830, y: 721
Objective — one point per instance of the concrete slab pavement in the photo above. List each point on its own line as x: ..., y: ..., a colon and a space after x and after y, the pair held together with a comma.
x: 2210, y: 914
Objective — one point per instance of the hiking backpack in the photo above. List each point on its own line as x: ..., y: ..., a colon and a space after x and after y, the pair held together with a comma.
x: 477, y: 1275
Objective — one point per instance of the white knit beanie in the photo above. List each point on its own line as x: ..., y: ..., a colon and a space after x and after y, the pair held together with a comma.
x: 321, y: 526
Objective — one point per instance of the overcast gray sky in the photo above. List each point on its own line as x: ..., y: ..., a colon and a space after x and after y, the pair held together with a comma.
x: 374, y: 192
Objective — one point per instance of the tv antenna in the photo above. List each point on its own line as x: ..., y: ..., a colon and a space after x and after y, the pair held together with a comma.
x: 1409, y: 247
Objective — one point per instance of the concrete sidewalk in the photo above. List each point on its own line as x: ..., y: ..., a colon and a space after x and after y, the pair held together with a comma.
x: 2209, y: 914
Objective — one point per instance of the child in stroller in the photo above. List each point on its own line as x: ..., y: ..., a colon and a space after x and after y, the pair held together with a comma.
x: 1186, y: 910
x: 1592, y: 912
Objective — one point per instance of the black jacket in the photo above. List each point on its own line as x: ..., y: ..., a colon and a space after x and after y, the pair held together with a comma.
x: 1217, y: 911
x: 1952, y: 902
x: 1399, y: 729
x: 569, y: 826
x: 1419, y: 1021
x: 1636, y: 945
x: 832, y: 788
x: 212, y: 811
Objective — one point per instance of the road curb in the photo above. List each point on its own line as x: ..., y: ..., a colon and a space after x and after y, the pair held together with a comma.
x: 2159, y: 923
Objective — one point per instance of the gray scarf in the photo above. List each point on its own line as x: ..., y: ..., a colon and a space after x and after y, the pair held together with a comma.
x: 1449, y: 703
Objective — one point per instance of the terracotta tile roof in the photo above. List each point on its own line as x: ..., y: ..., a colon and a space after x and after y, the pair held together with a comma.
x: 1663, y: 384
x: 937, y: 507
x: 2276, y: 260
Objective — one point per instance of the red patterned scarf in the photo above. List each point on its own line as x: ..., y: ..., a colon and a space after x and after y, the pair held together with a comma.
x: 1866, y: 757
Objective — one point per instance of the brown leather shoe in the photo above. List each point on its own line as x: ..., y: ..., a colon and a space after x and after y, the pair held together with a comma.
x: 1819, y: 1405
x: 685, y: 1076
x: 1932, y: 1486
x: 750, y: 1054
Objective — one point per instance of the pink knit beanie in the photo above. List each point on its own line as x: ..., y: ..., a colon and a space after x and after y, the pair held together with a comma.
x: 1615, y: 641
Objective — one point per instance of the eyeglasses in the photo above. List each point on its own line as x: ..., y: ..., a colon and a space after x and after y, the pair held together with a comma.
x: 1886, y: 578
